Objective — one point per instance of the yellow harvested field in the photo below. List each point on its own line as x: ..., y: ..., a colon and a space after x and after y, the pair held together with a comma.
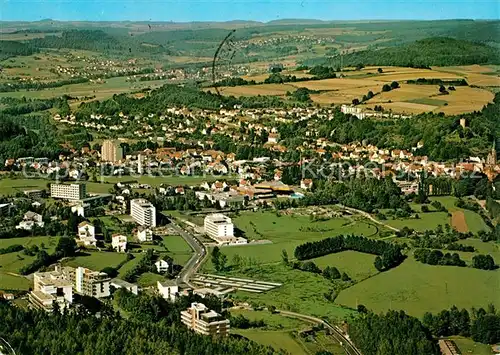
x: 253, y: 90
x: 337, y: 84
x: 406, y: 92
x: 465, y: 99
x: 406, y: 107
x: 262, y: 77
x: 428, y: 74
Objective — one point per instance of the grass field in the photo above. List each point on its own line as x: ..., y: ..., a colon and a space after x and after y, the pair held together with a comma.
x: 96, y: 260
x: 357, y: 265
x: 11, y: 263
x: 281, y: 332
x: 430, y: 220
x: 178, y: 249
x: 469, y: 347
x: 418, y: 288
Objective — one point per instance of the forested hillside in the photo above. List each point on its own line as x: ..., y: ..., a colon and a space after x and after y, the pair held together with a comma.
x: 12, y: 48
x: 438, y: 51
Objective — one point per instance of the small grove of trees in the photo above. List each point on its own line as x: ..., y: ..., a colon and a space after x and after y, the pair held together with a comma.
x: 484, y: 262
x: 219, y: 260
x: 436, y: 257
x: 388, y: 255
x: 66, y: 246
x: 392, y: 86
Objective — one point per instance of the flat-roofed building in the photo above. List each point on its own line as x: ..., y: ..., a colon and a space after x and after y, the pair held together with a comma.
x: 49, y: 288
x: 221, y: 229
x: 68, y: 191
x: 143, y: 212
x: 111, y: 151
x: 130, y: 287
x: 204, y: 321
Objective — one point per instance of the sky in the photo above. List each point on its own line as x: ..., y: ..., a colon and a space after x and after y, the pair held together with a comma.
x: 258, y: 10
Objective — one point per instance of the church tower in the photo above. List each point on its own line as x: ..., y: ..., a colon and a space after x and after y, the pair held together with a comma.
x: 491, y: 159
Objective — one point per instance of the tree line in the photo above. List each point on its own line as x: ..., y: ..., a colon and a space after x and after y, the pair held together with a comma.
x: 388, y: 255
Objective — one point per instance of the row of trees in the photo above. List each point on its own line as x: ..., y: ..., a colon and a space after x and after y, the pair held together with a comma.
x: 388, y: 255
x: 482, y: 325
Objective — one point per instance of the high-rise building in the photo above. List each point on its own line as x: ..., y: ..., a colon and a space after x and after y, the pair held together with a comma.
x: 143, y: 212
x: 111, y: 151
x: 204, y: 321
x: 68, y: 191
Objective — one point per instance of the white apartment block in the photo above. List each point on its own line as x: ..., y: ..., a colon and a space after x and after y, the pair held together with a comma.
x: 91, y: 283
x: 168, y: 290
x: 143, y: 212
x: 119, y: 243
x: 221, y: 229
x: 86, y: 234
x: 68, y: 191
x: 204, y: 321
x: 111, y: 151
x: 144, y: 234
x: 50, y: 288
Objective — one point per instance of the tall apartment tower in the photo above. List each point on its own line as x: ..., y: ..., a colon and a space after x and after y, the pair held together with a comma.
x: 143, y: 212
x: 111, y: 151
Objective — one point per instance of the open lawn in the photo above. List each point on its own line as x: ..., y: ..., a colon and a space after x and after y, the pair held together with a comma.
x: 96, y: 260
x: 357, y: 265
x: 469, y: 347
x: 149, y: 279
x: 301, y: 291
x: 418, y: 288
x: 13, y: 282
x: 278, y: 339
x: 177, y: 248
x: 466, y: 220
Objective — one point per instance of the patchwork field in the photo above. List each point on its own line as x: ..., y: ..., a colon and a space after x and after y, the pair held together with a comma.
x: 417, y: 288
x: 408, y: 99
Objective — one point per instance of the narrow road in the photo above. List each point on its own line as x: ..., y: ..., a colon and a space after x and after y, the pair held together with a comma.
x: 346, y: 343
x: 369, y: 216
x: 200, y: 253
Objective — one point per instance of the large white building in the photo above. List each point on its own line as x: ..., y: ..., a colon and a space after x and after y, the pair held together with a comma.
x: 143, y: 212
x: 68, y: 191
x: 50, y: 288
x: 204, y: 321
x: 221, y: 229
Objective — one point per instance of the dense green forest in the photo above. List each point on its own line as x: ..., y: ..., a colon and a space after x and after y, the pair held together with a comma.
x: 13, y: 48
x: 438, y: 51
x: 394, y: 333
x: 78, y: 332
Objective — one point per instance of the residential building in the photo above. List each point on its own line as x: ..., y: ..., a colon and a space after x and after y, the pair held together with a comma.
x: 68, y: 191
x: 168, y: 290
x: 34, y: 194
x: 111, y: 151
x: 5, y: 209
x: 49, y: 288
x: 162, y: 266
x: 143, y: 212
x: 144, y: 234
x: 90, y: 283
x: 86, y: 234
x: 204, y: 321
x: 130, y: 287
x: 119, y: 243
x: 30, y: 220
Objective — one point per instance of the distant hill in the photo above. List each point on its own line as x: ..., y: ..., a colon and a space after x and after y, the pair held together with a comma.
x: 439, y: 51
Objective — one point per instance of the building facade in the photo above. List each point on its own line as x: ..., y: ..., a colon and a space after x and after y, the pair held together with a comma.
x: 91, y: 283
x: 119, y: 243
x: 143, y: 212
x: 111, y: 151
x: 219, y: 227
x: 204, y: 321
x: 68, y: 191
